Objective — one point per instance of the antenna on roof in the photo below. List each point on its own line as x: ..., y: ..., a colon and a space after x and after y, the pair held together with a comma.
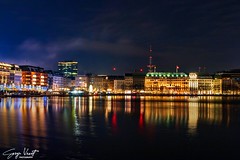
x: 152, y: 68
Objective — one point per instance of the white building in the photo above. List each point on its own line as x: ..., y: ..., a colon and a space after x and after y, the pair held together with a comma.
x: 204, y: 84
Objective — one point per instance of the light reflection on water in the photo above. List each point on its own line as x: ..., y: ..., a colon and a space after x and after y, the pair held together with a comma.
x: 68, y: 123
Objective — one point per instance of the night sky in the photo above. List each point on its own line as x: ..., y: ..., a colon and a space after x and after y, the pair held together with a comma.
x: 102, y: 34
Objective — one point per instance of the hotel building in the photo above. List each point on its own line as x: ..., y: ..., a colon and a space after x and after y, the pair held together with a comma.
x: 166, y: 83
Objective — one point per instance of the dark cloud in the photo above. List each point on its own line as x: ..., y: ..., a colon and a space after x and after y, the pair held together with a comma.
x: 121, y: 47
x: 103, y: 34
x: 76, y: 49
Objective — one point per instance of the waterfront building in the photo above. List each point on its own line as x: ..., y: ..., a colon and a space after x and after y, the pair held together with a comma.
x: 34, y: 78
x: 118, y: 86
x: 81, y: 82
x: 204, y: 84
x: 68, y: 68
x: 110, y: 81
x: 128, y: 81
x: 50, y: 79
x: 90, y: 81
x: 138, y: 81
x: 59, y: 83
x: 4, y: 75
x: 105, y: 83
x: 56, y: 81
x: 166, y: 83
x: 15, y: 77
x: 134, y: 81
x: 10, y: 77
x: 100, y: 83
x: 230, y: 81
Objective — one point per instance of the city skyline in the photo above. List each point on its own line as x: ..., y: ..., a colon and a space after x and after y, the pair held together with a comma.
x: 102, y: 35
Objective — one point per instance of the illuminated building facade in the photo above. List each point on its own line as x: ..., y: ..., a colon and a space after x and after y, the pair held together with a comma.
x: 100, y: 83
x: 5, y: 74
x: 34, y: 78
x: 119, y: 86
x: 68, y: 68
x: 56, y: 81
x: 81, y: 82
x: 59, y: 83
x: 31, y: 78
x: 166, y: 83
x: 105, y: 83
x: 134, y: 81
x: 10, y: 76
x: 15, y: 77
x: 230, y: 81
x: 204, y: 84
x: 90, y: 81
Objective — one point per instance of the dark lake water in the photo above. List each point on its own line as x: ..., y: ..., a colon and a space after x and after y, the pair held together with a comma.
x: 122, y: 127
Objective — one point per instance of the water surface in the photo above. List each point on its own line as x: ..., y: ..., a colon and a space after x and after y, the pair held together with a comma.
x: 122, y: 127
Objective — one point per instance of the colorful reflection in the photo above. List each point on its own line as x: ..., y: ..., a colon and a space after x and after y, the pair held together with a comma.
x: 169, y: 112
x: 21, y: 118
x: 43, y: 122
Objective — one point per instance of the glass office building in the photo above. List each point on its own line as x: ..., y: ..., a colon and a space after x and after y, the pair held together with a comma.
x: 68, y: 68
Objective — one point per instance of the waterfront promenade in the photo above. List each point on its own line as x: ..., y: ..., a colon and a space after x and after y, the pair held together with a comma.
x: 35, y: 94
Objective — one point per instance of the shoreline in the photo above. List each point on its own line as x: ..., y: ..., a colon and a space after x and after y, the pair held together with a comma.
x: 121, y: 94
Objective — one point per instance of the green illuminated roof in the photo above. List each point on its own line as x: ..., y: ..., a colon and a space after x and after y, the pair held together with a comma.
x: 167, y: 74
